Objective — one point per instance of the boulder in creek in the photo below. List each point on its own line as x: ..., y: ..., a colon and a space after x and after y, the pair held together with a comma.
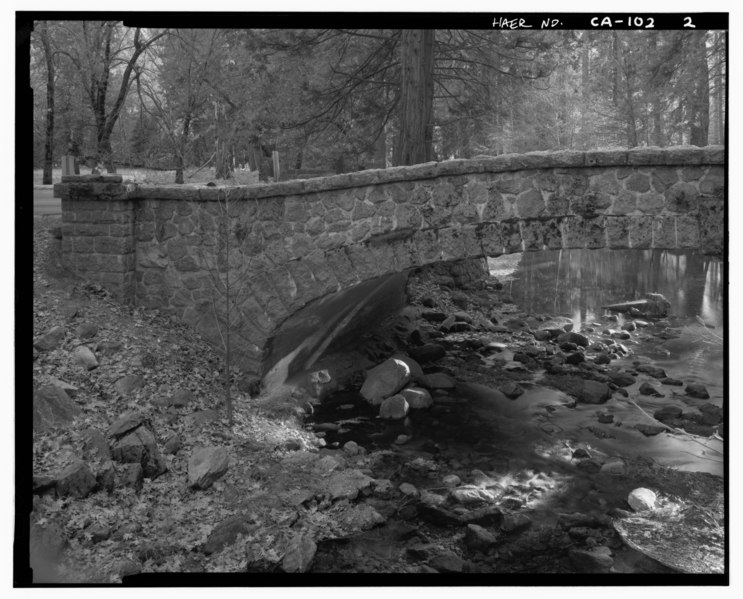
x: 300, y: 554
x: 650, y: 430
x: 648, y: 389
x: 671, y: 381
x: 472, y: 495
x: 511, y: 390
x: 83, y: 356
x: 430, y: 352
x: 573, y: 337
x: 52, y: 407
x: 50, y: 340
x: 206, y: 465
x: 438, y: 380
x: 384, y: 380
x: 622, y: 379
x: 654, y: 305
x: 711, y: 414
x: 697, y: 391
x: 667, y: 414
x: 417, y: 398
x: 654, y: 371
x: 394, y: 408
x: 347, y: 484
x: 642, y: 499
x: 585, y: 391
x: 415, y: 369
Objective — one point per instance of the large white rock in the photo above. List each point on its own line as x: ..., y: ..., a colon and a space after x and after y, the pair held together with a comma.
x: 416, y: 372
x: 642, y: 499
x: 472, y: 495
x: 385, y: 380
x: 394, y: 408
x: 417, y: 398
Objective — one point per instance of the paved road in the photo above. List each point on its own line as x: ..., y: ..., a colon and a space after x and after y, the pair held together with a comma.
x: 45, y: 202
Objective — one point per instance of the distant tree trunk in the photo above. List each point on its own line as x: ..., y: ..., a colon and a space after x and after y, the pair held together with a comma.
x: 223, y: 169
x: 179, y: 162
x: 699, y: 93
x: 49, y: 137
x: 415, y: 138
x: 656, y: 138
x: 222, y: 166
x: 585, y: 60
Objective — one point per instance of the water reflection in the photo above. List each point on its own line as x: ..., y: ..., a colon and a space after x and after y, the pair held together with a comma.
x: 577, y: 283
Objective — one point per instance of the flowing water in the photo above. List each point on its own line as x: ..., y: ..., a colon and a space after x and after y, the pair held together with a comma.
x: 475, y: 426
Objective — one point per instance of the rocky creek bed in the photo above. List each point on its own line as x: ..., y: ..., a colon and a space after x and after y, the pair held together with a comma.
x: 135, y: 470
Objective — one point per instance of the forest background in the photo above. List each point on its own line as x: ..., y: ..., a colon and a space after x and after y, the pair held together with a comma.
x: 339, y: 100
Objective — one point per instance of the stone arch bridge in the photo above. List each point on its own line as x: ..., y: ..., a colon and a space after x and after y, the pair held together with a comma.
x: 292, y: 243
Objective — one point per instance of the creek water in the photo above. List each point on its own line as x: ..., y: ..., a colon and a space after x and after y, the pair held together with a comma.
x: 576, y: 284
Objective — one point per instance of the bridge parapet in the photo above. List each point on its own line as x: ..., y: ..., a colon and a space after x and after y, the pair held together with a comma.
x: 296, y: 241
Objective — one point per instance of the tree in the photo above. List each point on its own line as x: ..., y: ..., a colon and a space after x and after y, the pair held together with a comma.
x: 99, y: 51
x: 415, y: 137
x: 173, y: 88
x: 49, y: 131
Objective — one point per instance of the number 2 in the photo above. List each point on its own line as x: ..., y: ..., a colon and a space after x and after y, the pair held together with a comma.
x: 688, y: 23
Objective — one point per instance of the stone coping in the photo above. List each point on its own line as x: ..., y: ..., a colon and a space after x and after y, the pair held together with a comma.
x: 646, y: 156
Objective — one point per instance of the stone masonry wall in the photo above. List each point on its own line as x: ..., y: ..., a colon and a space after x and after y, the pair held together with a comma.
x: 292, y: 242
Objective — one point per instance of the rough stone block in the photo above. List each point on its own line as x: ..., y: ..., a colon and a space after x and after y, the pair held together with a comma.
x: 649, y: 155
x: 681, y: 155
x: 682, y: 198
x: 713, y: 155
x: 617, y: 231
x: 497, y: 208
x: 428, y: 246
x: 606, y: 158
x: 533, y: 235
x: 491, y: 239
x: 664, y: 232
x: 85, y: 245
x: 120, y: 229
x: 87, y: 229
x: 114, y: 245
x: 640, y: 232
x: 687, y: 231
x: 650, y: 203
x: 530, y: 204
x: 511, y: 235
x: 342, y: 267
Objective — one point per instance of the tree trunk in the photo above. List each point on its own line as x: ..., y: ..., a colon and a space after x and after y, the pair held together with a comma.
x: 415, y: 138
x: 585, y: 60
x: 49, y: 136
x: 223, y: 169
x: 179, y: 156
x: 699, y: 93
